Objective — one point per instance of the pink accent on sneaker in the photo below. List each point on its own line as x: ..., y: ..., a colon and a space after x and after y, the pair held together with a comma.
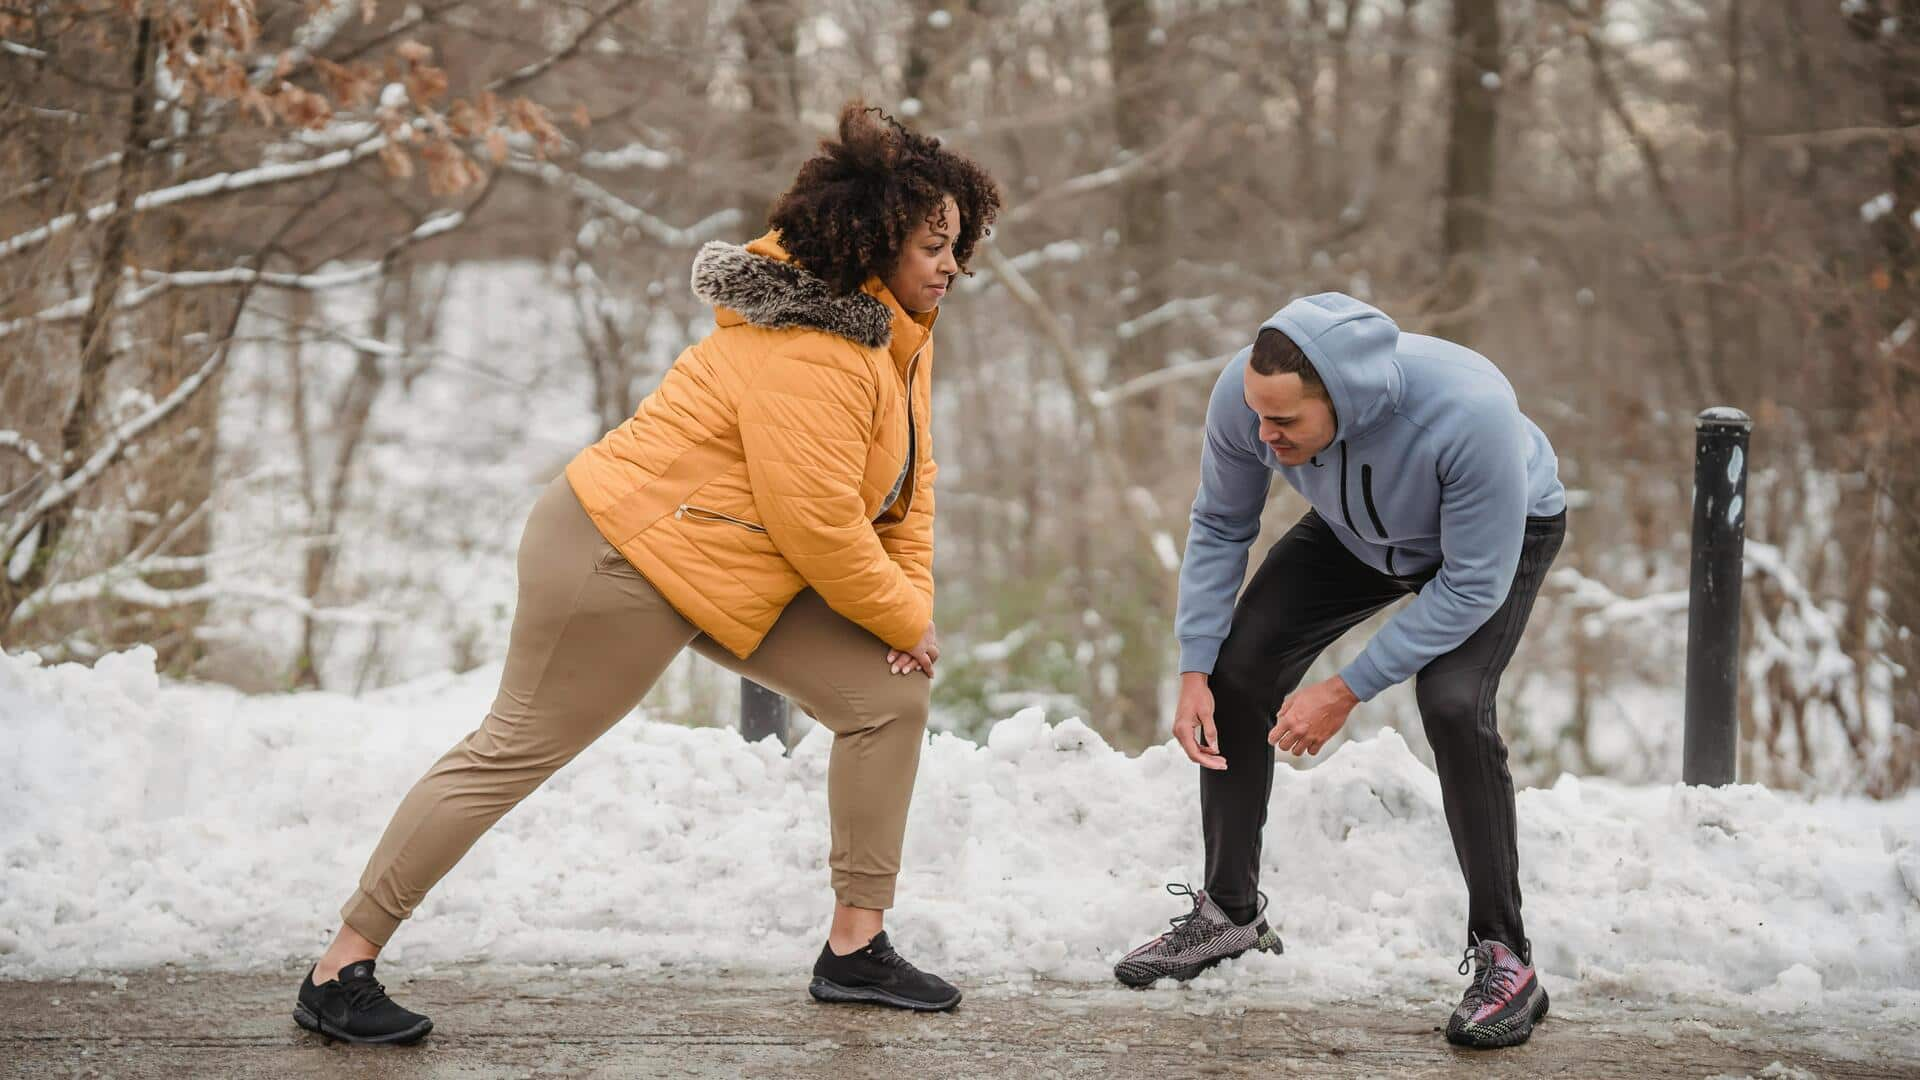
x: 1518, y: 980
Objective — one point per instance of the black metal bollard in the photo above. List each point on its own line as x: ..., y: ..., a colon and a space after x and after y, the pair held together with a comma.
x: 1713, y: 608
x: 762, y: 712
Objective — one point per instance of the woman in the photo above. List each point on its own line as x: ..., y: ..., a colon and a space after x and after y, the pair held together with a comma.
x: 769, y: 505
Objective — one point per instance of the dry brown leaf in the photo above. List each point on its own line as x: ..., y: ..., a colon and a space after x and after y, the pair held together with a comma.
x: 425, y: 83
x: 532, y: 119
x: 303, y: 108
x: 413, y: 52
x: 449, y: 170
x: 464, y: 118
x: 398, y: 164
x: 260, y: 103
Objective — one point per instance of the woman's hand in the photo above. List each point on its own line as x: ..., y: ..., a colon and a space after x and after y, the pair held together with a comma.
x: 919, y: 658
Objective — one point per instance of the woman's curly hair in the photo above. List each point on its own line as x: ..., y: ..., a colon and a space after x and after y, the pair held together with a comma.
x: 855, y: 202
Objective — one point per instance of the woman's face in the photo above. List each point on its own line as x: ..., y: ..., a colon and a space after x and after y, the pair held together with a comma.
x: 927, y: 266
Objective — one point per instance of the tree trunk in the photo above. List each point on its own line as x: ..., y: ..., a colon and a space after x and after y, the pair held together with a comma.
x: 1466, y: 233
x: 180, y: 485
x: 1900, y: 318
x: 1142, y: 623
x: 769, y: 32
x: 96, y: 334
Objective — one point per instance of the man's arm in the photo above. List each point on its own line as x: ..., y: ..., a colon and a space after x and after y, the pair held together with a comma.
x: 1226, y: 518
x: 1483, y: 521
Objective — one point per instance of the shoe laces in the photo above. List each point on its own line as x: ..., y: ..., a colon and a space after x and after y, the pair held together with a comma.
x: 363, y: 991
x: 891, y: 957
x: 1491, y: 981
x: 1184, y: 926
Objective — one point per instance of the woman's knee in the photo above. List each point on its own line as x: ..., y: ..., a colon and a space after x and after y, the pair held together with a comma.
x: 906, y: 701
x: 896, y: 702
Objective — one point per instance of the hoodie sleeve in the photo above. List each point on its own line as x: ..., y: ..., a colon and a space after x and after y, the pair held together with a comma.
x: 1483, y: 521
x: 1226, y: 518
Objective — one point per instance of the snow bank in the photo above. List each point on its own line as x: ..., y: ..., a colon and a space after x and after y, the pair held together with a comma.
x: 144, y: 823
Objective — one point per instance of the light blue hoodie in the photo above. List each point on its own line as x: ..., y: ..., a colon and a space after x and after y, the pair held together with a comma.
x: 1432, y: 463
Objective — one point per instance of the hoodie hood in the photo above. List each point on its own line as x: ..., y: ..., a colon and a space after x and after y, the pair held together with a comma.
x: 1352, y: 346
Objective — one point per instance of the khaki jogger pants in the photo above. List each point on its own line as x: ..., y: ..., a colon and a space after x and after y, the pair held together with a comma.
x: 590, y: 637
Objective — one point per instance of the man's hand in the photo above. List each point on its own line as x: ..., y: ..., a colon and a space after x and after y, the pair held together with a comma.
x: 1308, y: 718
x: 919, y: 658
x: 1193, y: 721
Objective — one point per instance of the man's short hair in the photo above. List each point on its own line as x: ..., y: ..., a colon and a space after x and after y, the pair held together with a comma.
x: 1274, y: 353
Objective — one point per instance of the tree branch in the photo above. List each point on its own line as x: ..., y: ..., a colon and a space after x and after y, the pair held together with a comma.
x: 160, y: 283
x: 202, y: 188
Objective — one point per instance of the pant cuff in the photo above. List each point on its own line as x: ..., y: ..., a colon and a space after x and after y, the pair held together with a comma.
x: 368, y: 919
x: 863, y: 890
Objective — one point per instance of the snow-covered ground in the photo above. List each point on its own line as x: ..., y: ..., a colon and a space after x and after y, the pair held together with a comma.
x: 144, y: 822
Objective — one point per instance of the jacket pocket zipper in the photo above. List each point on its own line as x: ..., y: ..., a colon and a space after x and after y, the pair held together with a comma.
x: 1366, y: 494
x: 697, y: 513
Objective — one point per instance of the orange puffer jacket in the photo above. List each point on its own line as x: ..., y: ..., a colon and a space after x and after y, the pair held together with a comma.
x: 760, y: 464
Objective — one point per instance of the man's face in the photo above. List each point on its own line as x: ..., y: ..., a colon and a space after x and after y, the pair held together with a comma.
x: 1294, y: 423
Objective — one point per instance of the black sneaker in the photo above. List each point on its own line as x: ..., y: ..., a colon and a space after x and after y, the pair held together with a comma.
x: 877, y: 975
x: 1502, y: 1003
x: 355, y: 1008
x: 1199, y: 939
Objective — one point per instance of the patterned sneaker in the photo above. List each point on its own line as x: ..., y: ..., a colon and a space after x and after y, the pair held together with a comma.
x: 1502, y: 1003
x: 1199, y: 939
x: 353, y: 1007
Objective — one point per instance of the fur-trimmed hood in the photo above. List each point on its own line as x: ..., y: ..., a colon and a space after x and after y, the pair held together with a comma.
x: 777, y: 293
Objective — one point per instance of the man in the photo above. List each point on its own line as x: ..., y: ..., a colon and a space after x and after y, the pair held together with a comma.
x: 1425, y: 479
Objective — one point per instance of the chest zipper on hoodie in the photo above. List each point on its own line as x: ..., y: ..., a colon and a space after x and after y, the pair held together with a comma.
x: 1366, y: 494
x: 698, y: 513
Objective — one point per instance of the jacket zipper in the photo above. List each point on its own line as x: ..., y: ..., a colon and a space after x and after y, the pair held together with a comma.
x: 913, y: 449
x: 700, y: 513
x: 1366, y: 493
x: 687, y: 511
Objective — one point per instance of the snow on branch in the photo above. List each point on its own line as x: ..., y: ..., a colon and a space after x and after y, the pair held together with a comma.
x: 1128, y: 167
x: 538, y: 67
x: 204, y: 187
x: 124, y: 583
x: 1153, y: 380
x: 323, y: 24
x: 1166, y: 313
x: 25, y: 447
x: 110, y: 450
x: 1060, y: 251
x: 159, y: 282
x: 1809, y: 639
x: 631, y: 156
x: 625, y: 212
x: 1610, y: 607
